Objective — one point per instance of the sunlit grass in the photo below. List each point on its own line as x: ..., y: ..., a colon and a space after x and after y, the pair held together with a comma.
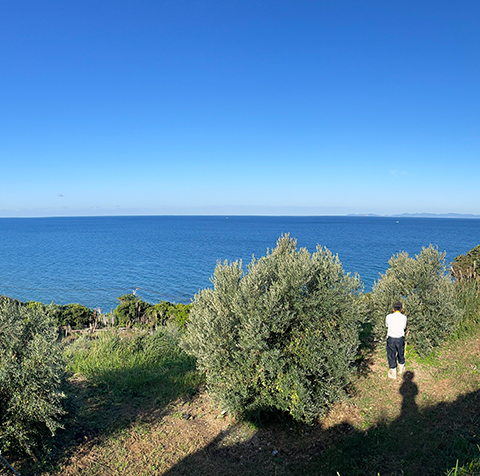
x: 137, y: 365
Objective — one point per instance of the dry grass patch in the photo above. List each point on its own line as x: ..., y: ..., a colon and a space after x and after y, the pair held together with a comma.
x: 153, y: 443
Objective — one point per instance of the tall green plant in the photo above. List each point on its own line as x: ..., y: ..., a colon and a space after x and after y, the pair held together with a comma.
x: 428, y: 296
x: 468, y: 299
x: 137, y: 365
x: 77, y: 316
x: 467, y: 267
x: 466, y: 272
x: 282, y: 335
x: 165, y: 312
x: 130, y: 310
x: 31, y: 370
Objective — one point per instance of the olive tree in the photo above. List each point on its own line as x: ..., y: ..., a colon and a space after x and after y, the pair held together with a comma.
x: 31, y: 371
x: 427, y: 294
x: 281, y: 335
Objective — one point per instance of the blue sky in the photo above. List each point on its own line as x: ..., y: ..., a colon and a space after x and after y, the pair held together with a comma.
x: 239, y: 107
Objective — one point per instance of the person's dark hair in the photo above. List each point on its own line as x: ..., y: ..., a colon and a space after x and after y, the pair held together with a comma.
x: 397, y: 306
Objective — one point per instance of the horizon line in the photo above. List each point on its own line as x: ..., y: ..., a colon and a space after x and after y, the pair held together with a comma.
x: 452, y: 215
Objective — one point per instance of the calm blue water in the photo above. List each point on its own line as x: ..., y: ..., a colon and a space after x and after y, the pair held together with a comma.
x: 93, y: 260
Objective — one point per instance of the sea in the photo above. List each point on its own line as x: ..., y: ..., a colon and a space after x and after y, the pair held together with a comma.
x: 94, y: 260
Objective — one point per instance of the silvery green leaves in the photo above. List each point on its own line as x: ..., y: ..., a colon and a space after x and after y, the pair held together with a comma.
x: 427, y: 294
x: 281, y: 335
x: 31, y: 371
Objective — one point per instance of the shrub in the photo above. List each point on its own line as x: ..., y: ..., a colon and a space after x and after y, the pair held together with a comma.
x: 466, y: 272
x: 76, y: 316
x: 130, y: 310
x: 31, y: 370
x: 428, y: 296
x: 282, y: 336
x: 166, y: 311
x: 467, y: 267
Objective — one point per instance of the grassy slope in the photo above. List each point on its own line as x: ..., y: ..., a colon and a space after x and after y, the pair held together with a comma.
x: 419, y: 425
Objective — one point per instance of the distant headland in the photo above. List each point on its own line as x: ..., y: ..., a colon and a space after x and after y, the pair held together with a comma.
x: 417, y: 215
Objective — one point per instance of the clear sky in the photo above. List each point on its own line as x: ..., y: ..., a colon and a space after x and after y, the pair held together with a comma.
x: 239, y: 107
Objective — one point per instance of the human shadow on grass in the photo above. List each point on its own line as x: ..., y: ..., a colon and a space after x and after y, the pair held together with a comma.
x: 421, y: 441
x: 113, y: 398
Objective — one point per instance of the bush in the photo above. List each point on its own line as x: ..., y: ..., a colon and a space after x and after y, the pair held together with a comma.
x: 31, y: 370
x: 77, y: 316
x: 467, y: 267
x: 282, y: 336
x: 165, y: 312
x: 428, y: 296
x: 466, y: 272
x: 130, y: 310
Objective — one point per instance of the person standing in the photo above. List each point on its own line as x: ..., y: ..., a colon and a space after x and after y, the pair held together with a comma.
x: 396, y: 324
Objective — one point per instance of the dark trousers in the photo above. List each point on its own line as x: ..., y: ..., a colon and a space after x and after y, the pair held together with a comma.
x: 395, y: 350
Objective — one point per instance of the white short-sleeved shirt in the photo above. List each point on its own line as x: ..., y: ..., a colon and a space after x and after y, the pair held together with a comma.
x: 396, y: 323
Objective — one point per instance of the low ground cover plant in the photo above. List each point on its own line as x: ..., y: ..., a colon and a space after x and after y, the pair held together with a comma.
x: 283, y: 335
x: 428, y: 296
x: 31, y: 372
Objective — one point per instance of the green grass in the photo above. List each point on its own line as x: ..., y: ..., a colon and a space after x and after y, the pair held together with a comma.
x: 135, y: 366
x: 117, y: 381
x: 468, y: 299
x: 470, y: 469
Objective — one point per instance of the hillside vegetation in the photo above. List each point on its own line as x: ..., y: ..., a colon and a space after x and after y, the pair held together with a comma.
x: 126, y: 421
x: 136, y: 404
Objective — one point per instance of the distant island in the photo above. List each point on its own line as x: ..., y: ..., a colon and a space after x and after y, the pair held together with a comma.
x: 417, y: 215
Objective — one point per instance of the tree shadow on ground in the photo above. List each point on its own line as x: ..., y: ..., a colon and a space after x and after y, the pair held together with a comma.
x: 421, y: 441
x: 366, y: 350
x: 111, y: 402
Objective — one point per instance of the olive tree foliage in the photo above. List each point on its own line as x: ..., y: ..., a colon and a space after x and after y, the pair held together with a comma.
x: 281, y: 336
x: 427, y: 294
x: 31, y: 372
